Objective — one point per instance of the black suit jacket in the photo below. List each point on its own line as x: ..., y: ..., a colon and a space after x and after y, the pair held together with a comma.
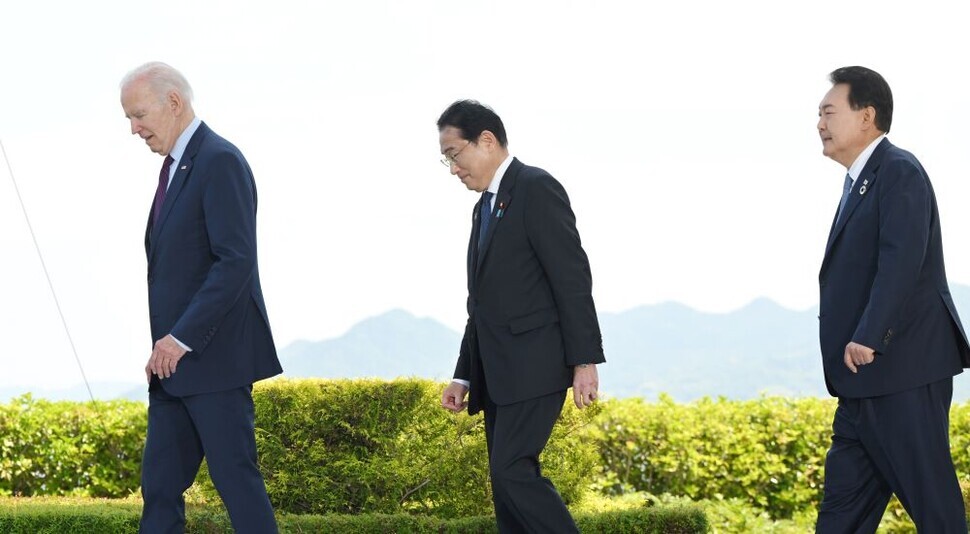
x: 531, y: 316
x: 203, y: 280
x: 883, y: 284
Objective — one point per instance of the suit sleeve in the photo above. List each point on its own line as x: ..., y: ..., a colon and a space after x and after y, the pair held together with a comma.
x: 551, y: 229
x: 463, y: 367
x: 229, y: 206
x: 904, y: 227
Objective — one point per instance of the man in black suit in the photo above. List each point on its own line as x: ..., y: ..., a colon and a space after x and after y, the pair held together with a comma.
x: 890, y: 335
x: 532, y: 330
x: 208, y: 320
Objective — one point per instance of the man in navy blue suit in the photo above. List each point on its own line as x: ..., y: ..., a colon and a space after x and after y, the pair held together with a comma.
x: 208, y: 320
x: 890, y: 335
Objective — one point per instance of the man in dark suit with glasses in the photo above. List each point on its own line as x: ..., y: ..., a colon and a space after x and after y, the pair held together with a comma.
x: 532, y: 330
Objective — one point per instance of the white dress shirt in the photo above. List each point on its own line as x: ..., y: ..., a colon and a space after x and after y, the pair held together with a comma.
x: 860, y: 162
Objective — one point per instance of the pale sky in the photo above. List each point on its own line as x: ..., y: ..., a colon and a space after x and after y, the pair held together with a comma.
x: 684, y: 133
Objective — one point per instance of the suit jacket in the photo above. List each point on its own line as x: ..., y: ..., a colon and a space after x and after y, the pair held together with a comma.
x: 531, y: 316
x: 883, y: 284
x: 203, y: 280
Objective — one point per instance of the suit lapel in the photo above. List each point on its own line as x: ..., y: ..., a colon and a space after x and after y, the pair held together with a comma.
x: 178, y: 182
x: 859, y: 191
x: 502, y: 201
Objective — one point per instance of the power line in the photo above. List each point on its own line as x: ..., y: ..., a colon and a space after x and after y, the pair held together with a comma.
x: 23, y: 208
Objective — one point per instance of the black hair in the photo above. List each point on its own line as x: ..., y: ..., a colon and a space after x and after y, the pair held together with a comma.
x: 867, y: 88
x: 472, y: 118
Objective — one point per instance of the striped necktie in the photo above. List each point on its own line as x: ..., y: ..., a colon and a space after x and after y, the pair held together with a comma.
x: 162, y: 189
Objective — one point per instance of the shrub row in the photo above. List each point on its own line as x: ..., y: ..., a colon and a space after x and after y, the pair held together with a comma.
x: 768, y: 452
x: 369, y: 446
x: 83, y: 516
x: 326, y: 446
x: 340, y: 446
x: 70, y: 448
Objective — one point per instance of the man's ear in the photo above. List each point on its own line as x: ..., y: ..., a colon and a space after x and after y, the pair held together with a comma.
x: 488, y: 140
x: 174, y: 102
x: 868, y: 118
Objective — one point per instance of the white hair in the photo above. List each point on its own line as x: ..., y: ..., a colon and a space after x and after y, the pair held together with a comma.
x: 162, y: 78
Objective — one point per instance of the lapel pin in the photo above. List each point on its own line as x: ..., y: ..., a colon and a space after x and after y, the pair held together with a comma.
x: 501, y: 210
x: 184, y: 167
x: 862, y: 190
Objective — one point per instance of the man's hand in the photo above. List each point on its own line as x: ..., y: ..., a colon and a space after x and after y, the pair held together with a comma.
x: 856, y: 354
x: 453, y: 397
x: 585, y: 383
x: 165, y: 357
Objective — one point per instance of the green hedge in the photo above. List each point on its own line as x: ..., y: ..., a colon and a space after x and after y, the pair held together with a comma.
x: 374, y: 446
x: 326, y: 446
x: 83, y: 516
x: 70, y: 448
x: 768, y: 452
x: 369, y: 446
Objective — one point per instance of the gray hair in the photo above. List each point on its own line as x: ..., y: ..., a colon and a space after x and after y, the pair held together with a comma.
x: 162, y: 78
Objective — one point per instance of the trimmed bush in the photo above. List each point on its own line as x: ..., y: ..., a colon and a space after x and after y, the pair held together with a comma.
x: 370, y: 446
x: 374, y: 446
x: 70, y: 448
x: 768, y: 452
x: 326, y: 446
x: 84, y: 516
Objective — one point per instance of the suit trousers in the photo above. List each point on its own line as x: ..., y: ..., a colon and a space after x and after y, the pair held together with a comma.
x: 897, y: 443
x: 525, y: 501
x: 181, y: 431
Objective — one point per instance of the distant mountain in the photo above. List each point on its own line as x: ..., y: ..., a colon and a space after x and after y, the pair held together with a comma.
x: 689, y: 354
x: 651, y: 349
x: 387, y: 346
x: 663, y: 348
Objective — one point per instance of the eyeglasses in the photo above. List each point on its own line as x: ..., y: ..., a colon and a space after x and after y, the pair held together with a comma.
x: 450, y: 161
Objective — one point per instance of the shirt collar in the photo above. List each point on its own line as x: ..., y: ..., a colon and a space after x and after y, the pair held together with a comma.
x: 499, y: 173
x: 860, y: 162
x: 183, y: 141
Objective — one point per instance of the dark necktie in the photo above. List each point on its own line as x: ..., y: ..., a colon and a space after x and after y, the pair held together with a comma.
x: 845, y: 196
x: 484, y: 217
x: 162, y: 188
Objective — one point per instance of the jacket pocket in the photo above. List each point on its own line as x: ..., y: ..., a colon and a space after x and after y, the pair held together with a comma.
x: 531, y: 321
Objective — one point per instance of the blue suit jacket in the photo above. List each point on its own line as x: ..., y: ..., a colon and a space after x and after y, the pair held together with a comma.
x: 883, y: 284
x: 203, y: 280
x: 531, y: 316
